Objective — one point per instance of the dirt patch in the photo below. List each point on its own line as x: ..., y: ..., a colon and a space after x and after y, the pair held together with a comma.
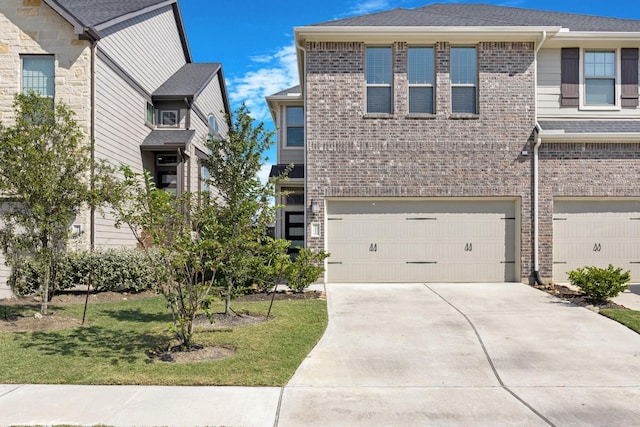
x: 280, y: 296
x: 577, y: 297
x: 37, y: 322
x: 196, y: 354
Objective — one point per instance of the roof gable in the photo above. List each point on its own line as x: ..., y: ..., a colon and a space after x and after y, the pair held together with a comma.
x: 188, y: 81
x: 483, y: 15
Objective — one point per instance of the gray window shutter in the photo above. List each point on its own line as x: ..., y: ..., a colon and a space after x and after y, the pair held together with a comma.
x: 629, y: 74
x: 570, y: 77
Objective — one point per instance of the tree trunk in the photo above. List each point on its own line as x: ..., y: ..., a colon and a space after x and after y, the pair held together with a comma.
x: 46, y: 279
x: 227, y: 300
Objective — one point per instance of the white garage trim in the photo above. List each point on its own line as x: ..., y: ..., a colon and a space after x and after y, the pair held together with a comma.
x: 596, y: 232
x: 423, y: 240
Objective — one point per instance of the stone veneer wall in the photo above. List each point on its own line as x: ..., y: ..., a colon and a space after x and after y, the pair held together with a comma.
x: 32, y: 27
x: 352, y: 154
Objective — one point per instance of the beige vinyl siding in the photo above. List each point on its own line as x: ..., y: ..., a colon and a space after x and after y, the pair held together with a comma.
x: 287, y: 155
x: 120, y: 129
x: 548, y: 92
x: 148, y: 42
x: 210, y: 101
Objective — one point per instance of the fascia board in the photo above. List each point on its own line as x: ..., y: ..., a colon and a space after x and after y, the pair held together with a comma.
x: 596, y: 36
x: 421, y: 33
x: 131, y: 15
x: 560, y: 136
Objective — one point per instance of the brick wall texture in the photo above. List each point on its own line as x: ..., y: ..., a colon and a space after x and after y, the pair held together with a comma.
x: 352, y: 154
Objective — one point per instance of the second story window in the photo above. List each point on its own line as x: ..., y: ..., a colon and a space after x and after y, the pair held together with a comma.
x: 421, y: 79
x: 38, y: 74
x: 150, y: 114
x: 295, y: 127
x: 169, y: 118
x: 378, y: 75
x: 599, y: 77
x: 464, y: 80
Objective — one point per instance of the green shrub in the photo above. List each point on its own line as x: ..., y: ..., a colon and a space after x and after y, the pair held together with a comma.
x: 600, y: 284
x: 127, y: 270
x: 305, y: 269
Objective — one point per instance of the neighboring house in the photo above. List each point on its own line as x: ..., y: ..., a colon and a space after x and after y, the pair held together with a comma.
x: 125, y: 68
x: 464, y: 143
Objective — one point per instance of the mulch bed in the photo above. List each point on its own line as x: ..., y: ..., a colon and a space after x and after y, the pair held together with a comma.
x: 577, y: 297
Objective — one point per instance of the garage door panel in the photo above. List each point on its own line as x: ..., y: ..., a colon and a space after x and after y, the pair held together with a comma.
x: 596, y: 233
x: 439, y: 241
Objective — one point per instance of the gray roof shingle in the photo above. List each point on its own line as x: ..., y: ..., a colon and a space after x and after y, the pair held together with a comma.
x: 295, y: 90
x: 480, y: 15
x: 591, y: 126
x: 166, y: 138
x: 94, y: 12
x: 188, y: 81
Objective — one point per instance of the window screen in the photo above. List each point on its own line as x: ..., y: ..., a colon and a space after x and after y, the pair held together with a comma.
x: 38, y: 74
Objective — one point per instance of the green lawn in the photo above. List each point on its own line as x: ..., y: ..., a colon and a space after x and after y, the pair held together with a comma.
x: 629, y: 318
x: 112, y: 348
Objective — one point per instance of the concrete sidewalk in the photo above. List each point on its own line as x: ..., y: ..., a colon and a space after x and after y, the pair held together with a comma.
x: 400, y: 355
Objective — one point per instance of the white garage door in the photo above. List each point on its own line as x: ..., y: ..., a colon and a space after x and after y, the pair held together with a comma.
x: 595, y: 233
x: 421, y: 241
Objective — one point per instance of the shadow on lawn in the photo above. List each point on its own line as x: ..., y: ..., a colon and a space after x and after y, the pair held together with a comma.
x: 95, y: 342
x: 137, y: 315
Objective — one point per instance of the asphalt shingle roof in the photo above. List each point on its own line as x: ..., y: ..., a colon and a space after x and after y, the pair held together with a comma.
x: 188, y: 81
x: 592, y: 126
x: 168, y: 138
x: 457, y: 15
x: 296, y: 172
x: 295, y: 90
x: 94, y: 12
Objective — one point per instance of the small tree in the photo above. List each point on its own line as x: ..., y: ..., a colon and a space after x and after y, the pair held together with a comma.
x: 45, y: 178
x: 243, y: 203
x: 185, y: 235
x: 306, y: 269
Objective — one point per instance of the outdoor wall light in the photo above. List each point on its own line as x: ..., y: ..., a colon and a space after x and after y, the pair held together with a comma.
x: 315, y: 206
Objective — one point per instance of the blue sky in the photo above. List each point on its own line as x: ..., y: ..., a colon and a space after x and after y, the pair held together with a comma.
x: 253, y: 39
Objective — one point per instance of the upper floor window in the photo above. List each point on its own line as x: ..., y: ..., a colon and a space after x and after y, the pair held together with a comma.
x: 150, y: 113
x: 464, y: 80
x: 421, y: 79
x: 599, y: 77
x: 379, y: 76
x: 169, y: 118
x: 295, y: 127
x: 213, y: 123
x: 38, y: 74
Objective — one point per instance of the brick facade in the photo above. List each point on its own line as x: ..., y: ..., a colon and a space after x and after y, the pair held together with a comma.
x: 582, y: 170
x: 352, y: 154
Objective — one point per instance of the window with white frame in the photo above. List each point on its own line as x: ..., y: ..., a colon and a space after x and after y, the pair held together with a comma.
x: 464, y: 80
x: 421, y: 79
x: 379, y: 78
x: 295, y: 126
x: 599, y: 77
x: 169, y: 118
x: 38, y: 74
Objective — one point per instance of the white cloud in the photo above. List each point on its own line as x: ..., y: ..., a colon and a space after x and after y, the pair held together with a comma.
x: 278, y: 71
x: 369, y: 6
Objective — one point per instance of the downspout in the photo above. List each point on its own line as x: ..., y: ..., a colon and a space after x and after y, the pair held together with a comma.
x: 536, y: 208
x: 92, y: 136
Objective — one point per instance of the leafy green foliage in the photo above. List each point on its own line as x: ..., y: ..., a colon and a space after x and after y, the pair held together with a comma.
x: 600, y: 284
x: 129, y: 270
x: 46, y: 174
x: 306, y: 269
x: 241, y: 202
x: 184, y: 236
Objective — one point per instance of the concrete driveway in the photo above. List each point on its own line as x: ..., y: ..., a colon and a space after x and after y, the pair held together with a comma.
x: 464, y: 354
